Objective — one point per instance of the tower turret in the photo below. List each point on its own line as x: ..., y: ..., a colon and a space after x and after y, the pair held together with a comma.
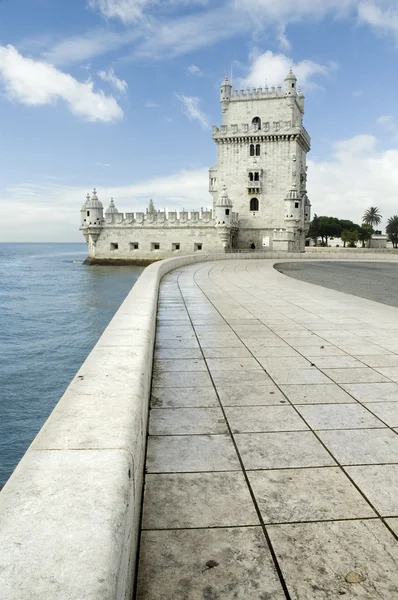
x: 292, y: 207
x: 291, y: 84
x: 94, y: 218
x: 226, y: 91
x: 111, y: 210
x: 223, y: 209
x: 83, y: 216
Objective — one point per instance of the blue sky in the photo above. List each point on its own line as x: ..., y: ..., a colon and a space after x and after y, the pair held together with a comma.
x: 121, y: 95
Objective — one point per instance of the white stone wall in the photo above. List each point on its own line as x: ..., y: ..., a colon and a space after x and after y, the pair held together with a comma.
x: 187, y: 237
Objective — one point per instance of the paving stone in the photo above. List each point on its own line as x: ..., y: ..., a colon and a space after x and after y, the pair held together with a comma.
x: 243, y: 569
x: 185, y: 500
x: 223, y: 378
x: 274, y: 351
x: 362, y: 446
x: 284, y: 362
x: 382, y: 360
x: 161, y: 353
x: 361, y: 375
x: 323, y: 350
x: 315, y: 559
x: 264, y: 418
x: 379, y: 483
x: 180, y: 397
x: 240, y: 352
x: 285, y: 376
x: 250, y: 395
x: 390, y: 372
x: 319, y: 494
x: 386, y: 411
x: 316, y: 394
x: 233, y: 364
x: 180, y: 421
x: 282, y: 450
x: 373, y: 392
x: 190, y: 453
x: 338, y: 416
x: 335, y: 362
x: 182, y: 379
x: 182, y: 365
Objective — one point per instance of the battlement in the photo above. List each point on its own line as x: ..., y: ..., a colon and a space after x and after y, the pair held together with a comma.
x: 164, y: 219
x: 260, y: 94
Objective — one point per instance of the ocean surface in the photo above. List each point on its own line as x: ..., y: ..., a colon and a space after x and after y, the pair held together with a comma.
x: 53, y: 309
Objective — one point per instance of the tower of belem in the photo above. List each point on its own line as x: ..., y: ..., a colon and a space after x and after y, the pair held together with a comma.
x: 261, y: 158
x: 258, y: 187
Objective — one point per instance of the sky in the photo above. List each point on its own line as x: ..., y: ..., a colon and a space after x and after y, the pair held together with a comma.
x: 121, y: 95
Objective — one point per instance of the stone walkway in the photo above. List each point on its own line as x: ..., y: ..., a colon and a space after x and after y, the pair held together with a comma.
x: 272, y: 464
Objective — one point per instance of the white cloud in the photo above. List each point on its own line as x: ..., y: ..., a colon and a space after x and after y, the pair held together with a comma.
x: 101, y: 164
x: 163, y: 33
x: 388, y: 122
x: 111, y: 77
x: 151, y: 104
x: 34, y: 83
x: 191, y: 108
x: 282, y: 38
x: 272, y: 69
x: 194, y: 70
x: 381, y: 15
x: 357, y: 176
x: 81, y: 48
x: 129, y: 11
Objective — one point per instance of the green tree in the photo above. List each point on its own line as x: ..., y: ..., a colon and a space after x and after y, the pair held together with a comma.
x: 372, y: 216
x: 151, y: 207
x: 328, y: 227
x: 364, y: 234
x: 313, y: 232
x: 349, y: 237
x: 392, y: 230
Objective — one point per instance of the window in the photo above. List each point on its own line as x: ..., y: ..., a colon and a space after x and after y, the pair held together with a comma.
x: 257, y: 121
x: 227, y: 211
x: 251, y: 176
x: 114, y: 246
x: 197, y: 247
x: 134, y: 245
x: 252, y: 150
x: 296, y: 205
x: 175, y: 247
x: 88, y: 213
x: 257, y: 149
x: 256, y: 177
x: 254, y: 204
x: 155, y: 246
x: 292, y: 85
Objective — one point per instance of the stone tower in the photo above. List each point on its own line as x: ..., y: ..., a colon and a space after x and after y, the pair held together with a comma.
x: 261, y: 158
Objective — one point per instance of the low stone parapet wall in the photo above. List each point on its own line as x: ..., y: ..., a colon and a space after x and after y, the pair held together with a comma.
x: 70, y: 513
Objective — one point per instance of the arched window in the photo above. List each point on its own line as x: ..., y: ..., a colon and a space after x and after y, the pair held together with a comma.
x: 254, y: 204
x: 227, y: 212
x: 257, y: 121
x: 256, y: 177
x: 257, y: 150
x: 251, y: 149
x: 250, y: 176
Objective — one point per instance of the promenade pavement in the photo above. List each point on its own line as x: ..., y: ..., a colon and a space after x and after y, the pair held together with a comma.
x: 272, y: 460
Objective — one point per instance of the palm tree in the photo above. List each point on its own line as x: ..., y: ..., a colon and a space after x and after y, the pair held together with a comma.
x: 392, y: 230
x: 372, y: 216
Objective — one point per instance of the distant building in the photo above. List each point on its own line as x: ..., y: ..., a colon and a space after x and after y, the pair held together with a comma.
x: 258, y: 186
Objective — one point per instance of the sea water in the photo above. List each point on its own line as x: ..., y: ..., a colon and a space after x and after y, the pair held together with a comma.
x: 53, y: 309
